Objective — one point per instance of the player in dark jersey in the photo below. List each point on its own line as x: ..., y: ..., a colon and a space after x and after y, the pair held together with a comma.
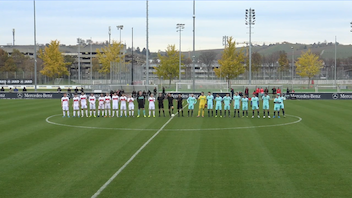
x: 179, y: 105
x: 170, y: 99
x: 161, y: 103
x: 141, y: 102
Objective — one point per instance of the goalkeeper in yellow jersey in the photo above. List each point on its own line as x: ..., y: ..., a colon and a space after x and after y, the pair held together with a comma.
x: 202, y: 101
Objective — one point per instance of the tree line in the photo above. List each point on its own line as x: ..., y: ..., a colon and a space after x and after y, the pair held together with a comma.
x: 232, y: 61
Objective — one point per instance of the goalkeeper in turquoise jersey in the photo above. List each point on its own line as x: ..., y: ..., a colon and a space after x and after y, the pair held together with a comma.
x: 210, y: 99
x: 227, y: 102
x: 282, y: 107
x: 266, y: 99
x: 236, y: 104
x: 191, y: 102
x: 244, y: 105
x: 255, y: 105
x: 218, y: 105
x: 277, y: 106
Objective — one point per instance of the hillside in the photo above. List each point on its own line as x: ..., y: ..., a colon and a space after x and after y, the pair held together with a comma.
x: 343, y: 51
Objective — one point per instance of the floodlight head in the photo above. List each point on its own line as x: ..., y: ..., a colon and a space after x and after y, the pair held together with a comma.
x: 119, y: 27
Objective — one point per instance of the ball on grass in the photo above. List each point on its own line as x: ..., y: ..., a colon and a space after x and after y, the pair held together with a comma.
x: 172, y: 115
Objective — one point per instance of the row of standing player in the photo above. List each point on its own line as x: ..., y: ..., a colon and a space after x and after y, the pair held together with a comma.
x: 205, y: 102
x: 104, y: 105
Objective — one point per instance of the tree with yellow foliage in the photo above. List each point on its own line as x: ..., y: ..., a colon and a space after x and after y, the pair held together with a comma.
x: 113, y: 53
x: 231, y: 62
x: 308, y: 65
x: 53, y: 60
x: 169, y: 64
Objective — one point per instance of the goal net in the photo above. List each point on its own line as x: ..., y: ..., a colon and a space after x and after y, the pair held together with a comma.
x: 204, y: 86
x: 326, y: 88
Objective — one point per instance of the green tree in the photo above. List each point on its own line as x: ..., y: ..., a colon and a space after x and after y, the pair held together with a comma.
x: 54, y: 64
x: 7, y: 64
x: 308, y: 65
x: 168, y: 67
x: 231, y: 62
x: 283, y: 61
x: 111, y: 53
x: 96, y: 64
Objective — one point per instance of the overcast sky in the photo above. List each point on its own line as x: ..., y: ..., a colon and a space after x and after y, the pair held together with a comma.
x: 276, y: 21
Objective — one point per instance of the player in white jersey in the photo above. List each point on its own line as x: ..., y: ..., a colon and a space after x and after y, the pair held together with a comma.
x: 130, y: 101
x: 101, y: 105
x: 65, y: 101
x: 83, y: 99
x: 123, y: 100
x: 151, y: 100
x: 107, y: 105
x: 75, y: 105
x: 115, y: 104
x: 92, y: 100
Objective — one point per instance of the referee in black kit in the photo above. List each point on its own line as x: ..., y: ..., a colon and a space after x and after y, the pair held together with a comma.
x: 161, y: 103
x: 170, y: 99
x: 179, y: 105
x: 141, y: 102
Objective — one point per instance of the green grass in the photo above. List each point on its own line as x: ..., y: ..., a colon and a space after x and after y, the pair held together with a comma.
x: 311, y: 158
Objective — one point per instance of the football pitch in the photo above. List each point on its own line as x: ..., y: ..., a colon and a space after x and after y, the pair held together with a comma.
x: 306, y: 154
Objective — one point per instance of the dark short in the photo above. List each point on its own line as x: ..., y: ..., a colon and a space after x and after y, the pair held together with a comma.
x: 170, y: 106
x: 179, y: 106
x: 140, y: 105
x: 161, y: 105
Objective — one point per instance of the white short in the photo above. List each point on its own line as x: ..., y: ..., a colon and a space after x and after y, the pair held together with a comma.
x: 131, y: 107
x: 123, y: 107
x: 75, y: 107
x: 65, y: 108
x: 107, y: 106
x: 84, y: 106
x: 92, y: 106
x: 115, y: 106
x: 152, y: 107
x: 101, y: 106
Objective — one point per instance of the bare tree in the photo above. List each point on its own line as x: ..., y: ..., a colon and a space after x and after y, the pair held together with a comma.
x: 207, y: 58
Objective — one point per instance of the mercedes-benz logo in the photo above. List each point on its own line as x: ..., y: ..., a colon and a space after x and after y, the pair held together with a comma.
x: 19, y: 95
x: 335, y: 96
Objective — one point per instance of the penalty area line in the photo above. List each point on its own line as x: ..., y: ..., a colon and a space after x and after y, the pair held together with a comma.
x: 131, y: 158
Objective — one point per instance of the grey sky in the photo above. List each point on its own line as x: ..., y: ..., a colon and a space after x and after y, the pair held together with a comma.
x: 276, y: 21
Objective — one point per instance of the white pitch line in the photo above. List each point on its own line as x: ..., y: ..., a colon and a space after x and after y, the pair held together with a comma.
x: 92, y: 127
x: 245, y: 127
x: 130, y: 160
x: 206, y: 129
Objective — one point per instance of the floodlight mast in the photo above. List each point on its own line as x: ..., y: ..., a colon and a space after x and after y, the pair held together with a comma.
x: 292, y: 66
x: 250, y: 20
x: 147, y: 43
x: 224, y: 43
x: 179, y: 28
x: 79, y: 42
x: 35, y: 48
x: 194, y: 46
x: 120, y: 27
x: 90, y: 42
